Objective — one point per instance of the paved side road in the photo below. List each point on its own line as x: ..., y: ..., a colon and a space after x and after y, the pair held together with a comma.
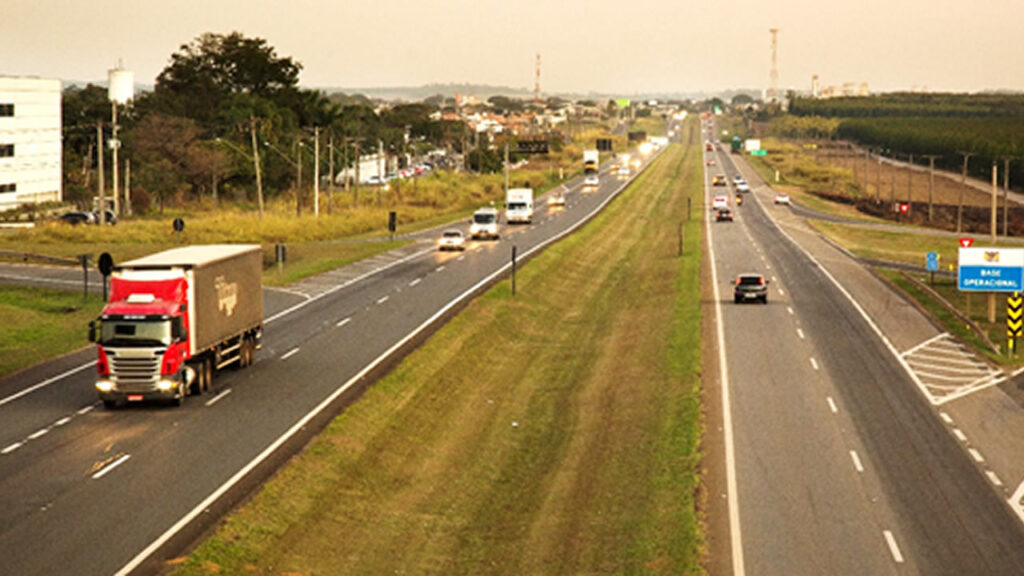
x: 970, y: 397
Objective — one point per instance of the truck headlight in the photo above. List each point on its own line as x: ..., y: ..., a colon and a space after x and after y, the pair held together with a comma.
x: 104, y: 385
x: 165, y: 385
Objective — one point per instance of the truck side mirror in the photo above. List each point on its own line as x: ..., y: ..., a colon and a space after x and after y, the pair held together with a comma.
x: 92, y: 331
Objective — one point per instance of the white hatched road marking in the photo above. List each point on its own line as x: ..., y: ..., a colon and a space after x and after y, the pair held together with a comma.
x: 947, y: 370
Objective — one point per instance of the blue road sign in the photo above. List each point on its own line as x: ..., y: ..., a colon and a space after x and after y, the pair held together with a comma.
x: 933, y: 261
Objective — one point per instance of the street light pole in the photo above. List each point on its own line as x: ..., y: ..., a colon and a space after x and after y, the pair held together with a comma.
x: 316, y: 171
x: 256, y: 163
x: 963, y: 184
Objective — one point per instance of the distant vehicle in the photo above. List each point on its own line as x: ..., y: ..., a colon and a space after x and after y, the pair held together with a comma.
x: 710, y: 162
x: 75, y: 218
x: 484, y: 224
x: 623, y: 172
x: 718, y: 180
x: 782, y: 198
x: 556, y: 199
x: 750, y: 287
x: 519, y: 205
x: 592, y: 181
x: 742, y: 187
x: 451, y: 240
x: 708, y: 146
x: 719, y: 202
x: 737, y: 179
x: 723, y: 215
x: 735, y: 145
x: 175, y: 318
x: 111, y: 217
x: 590, y: 162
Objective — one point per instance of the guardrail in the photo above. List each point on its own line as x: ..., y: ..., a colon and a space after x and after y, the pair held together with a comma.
x: 27, y: 256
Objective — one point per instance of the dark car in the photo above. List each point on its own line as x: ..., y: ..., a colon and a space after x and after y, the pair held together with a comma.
x: 749, y: 287
x: 75, y: 218
x: 723, y: 215
x: 111, y: 217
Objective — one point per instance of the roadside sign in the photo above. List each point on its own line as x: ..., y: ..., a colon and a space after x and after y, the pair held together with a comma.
x: 991, y: 269
x: 966, y: 242
x: 932, y: 261
x: 761, y: 152
x: 1014, y: 316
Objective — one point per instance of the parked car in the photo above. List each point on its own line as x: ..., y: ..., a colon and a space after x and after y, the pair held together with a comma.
x: 750, y: 287
x: 451, y: 240
x: 75, y: 218
x: 111, y: 217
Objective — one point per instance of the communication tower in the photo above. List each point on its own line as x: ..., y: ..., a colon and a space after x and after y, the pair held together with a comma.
x: 773, y: 91
x: 536, y: 81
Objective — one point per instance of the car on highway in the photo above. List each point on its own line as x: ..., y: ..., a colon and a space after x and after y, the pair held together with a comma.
x: 723, y: 215
x: 592, y: 181
x: 718, y: 180
x: 710, y: 162
x: 451, y: 240
x: 737, y: 180
x: 484, y: 224
x: 719, y: 202
x: 750, y: 287
x: 742, y: 187
x: 782, y: 198
x: 556, y: 199
x: 623, y: 172
x: 75, y: 218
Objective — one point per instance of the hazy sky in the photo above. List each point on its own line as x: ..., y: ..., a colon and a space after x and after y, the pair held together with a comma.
x: 611, y: 46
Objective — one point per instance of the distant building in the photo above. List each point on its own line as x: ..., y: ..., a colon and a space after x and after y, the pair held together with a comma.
x: 30, y: 141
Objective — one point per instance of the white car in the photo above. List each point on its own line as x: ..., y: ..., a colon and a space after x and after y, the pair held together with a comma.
x: 556, y: 199
x: 742, y: 187
x: 451, y: 240
x: 782, y: 198
x: 737, y: 180
x: 592, y: 181
x: 719, y: 202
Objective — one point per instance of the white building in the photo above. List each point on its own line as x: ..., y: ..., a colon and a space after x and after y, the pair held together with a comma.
x: 30, y: 141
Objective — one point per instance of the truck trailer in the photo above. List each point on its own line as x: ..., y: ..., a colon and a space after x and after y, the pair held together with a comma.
x: 174, y: 319
x: 519, y: 205
x: 591, y: 160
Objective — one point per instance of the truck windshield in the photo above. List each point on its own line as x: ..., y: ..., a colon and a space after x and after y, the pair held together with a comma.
x: 517, y: 205
x: 135, y: 333
x: 483, y: 218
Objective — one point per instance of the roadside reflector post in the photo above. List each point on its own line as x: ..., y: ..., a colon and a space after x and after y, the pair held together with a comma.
x: 513, y: 269
x: 681, y: 232
x: 280, y: 255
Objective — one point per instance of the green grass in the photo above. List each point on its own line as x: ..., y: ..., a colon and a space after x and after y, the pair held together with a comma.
x: 573, y: 450
x: 39, y: 324
x: 909, y: 247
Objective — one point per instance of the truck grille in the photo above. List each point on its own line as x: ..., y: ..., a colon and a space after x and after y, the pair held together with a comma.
x: 135, y: 374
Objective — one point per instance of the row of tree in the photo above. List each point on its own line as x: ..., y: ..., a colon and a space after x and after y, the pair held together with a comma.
x: 912, y: 104
x: 194, y: 130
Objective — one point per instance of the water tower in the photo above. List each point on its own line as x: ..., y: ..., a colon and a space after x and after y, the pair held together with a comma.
x: 120, y: 90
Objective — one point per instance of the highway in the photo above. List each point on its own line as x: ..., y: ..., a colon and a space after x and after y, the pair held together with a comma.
x: 835, y: 461
x: 88, y: 491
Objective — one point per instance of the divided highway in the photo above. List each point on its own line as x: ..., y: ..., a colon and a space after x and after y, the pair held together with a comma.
x: 837, y: 462
x: 86, y: 490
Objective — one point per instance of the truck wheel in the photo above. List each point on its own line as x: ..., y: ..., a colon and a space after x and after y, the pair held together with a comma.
x: 207, y: 375
x: 245, y: 354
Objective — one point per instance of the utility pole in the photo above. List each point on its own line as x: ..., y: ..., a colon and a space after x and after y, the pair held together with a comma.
x: 1006, y: 193
x: 256, y: 163
x: 867, y: 168
x: 931, y: 183
x: 878, y: 178
x: 380, y: 171
x: 355, y: 182
x: 127, y: 186
x: 892, y: 183
x: 992, y: 225
x: 114, y: 145
x: 910, y: 180
x: 963, y: 184
x: 330, y: 170
x: 506, y: 167
x: 298, y: 178
x: 316, y: 171
x: 99, y: 184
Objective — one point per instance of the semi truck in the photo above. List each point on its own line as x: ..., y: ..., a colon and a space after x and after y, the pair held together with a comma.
x: 176, y: 317
x: 519, y: 205
x: 591, y: 161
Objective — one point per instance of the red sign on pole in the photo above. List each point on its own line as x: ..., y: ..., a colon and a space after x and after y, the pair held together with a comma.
x: 966, y: 242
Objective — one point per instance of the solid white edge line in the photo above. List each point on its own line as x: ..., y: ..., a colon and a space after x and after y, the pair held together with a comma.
x: 289, y: 353
x: 856, y: 461
x: 894, y: 548
x: 218, y: 397
x: 732, y: 488
x: 46, y: 382
x: 110, y: 467
x: 209, y: 500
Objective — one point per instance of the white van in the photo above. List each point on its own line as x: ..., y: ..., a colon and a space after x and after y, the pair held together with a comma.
x: 485, y: 224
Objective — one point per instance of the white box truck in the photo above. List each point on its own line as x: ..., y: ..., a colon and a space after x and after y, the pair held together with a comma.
x: 519, y: 205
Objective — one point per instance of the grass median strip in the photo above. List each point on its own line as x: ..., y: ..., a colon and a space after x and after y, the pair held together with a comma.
x: 39, y: 323
x: 552, y: 432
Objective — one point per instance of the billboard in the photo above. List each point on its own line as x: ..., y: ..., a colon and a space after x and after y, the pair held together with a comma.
x: 991, y: 269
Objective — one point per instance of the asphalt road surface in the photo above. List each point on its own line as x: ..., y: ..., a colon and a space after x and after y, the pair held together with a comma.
x: 85, y: 490
x: 838, y: 463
